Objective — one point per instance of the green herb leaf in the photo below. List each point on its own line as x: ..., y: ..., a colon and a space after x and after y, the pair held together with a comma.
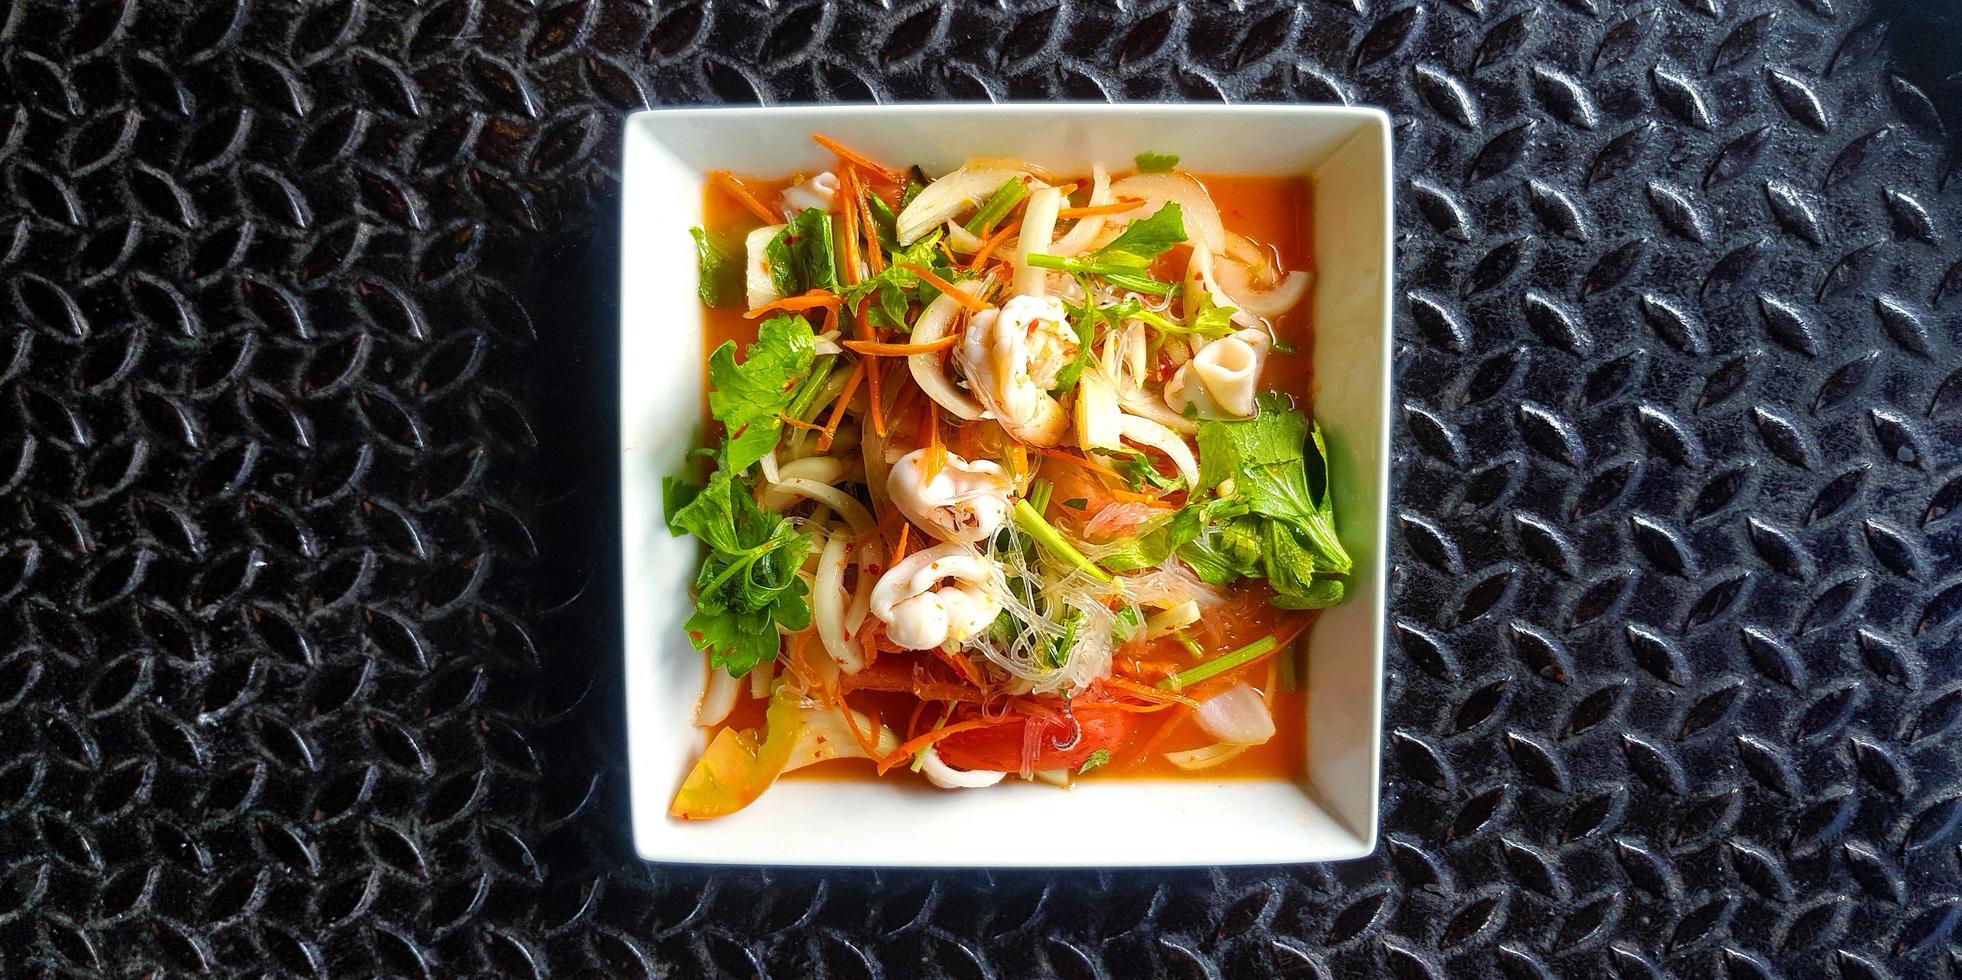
x: 800, y: 255
x: 748, y: 584
x: 1126, y: 624
x: 1278, y: 466
x: 1156, y: 163
x: 719, y: 271
x: 884, y: 221
x: 1096, y: 760
x: 748, y: 397
x: 1147, y: 237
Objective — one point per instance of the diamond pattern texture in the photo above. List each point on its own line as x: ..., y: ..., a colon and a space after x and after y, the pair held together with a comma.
x: 308, y: 641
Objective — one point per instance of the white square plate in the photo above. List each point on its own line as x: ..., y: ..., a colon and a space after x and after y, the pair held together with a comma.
x: 1124, y: 822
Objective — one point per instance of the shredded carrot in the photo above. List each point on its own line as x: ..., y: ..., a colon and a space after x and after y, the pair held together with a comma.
x: 1170, y: 724
x: 868, y: 641
x: 899, y: 550
x: 1138, y: 708
x: 1075, y: 460
x: 1094, y: 210
x: 875, y: 401
x: 936, y: 457
x: 838, y: 410
x: 848, y: 232
x: 1139, y: 498
x: 908, y: 748
x: 793, y: 659
x: 961, y: 665
x: 876, y: 349
x: 868, y: 227
x: 853, y: 156
x: 1148, y: 692
x: 810, y: 300
x: 799, y: 423
x: 948, y: 252
x: 988, y: 247
x: 973, y: 304
x: 866, y: 742
x: 728, y: 182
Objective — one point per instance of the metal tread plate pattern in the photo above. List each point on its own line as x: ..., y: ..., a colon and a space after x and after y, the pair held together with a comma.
x: 308, y: 641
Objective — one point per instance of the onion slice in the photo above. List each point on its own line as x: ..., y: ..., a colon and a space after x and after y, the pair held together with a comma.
x: 1237, y: 716
x: 945, y: 776
x: 947, y: 197
x: 826, y: 735
x: 719, y: 699
x: 1145, y: 432
x: 1204, y: 758
x: 1038, y: 229
x: 927, y: 370
x: 1086, y: 230
x: 828, y: 607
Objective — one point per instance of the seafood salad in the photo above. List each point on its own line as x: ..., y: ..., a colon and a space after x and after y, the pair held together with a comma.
x: 1013, y: 476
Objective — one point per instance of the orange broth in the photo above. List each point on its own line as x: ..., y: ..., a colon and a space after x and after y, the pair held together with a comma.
x: 1274, y: 212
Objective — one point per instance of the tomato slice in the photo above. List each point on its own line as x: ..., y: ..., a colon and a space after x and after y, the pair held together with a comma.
x: 999, y: 747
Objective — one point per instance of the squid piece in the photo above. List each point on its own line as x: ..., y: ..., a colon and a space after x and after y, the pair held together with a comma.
x: 1222, y: 378
x: 817, y: 192
x: 1012, y: 357
x: 935, y: 597
x: 967, y: 501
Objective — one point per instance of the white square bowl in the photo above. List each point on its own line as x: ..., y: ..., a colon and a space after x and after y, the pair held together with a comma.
x: 1345, y: 152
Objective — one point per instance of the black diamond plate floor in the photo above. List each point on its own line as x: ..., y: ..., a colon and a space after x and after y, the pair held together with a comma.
x: 307, y: 632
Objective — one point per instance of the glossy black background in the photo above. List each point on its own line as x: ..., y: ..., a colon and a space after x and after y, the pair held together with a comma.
x: 306, y: 492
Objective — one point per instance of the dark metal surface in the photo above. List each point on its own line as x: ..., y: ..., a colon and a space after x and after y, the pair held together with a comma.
x: 309, y: 658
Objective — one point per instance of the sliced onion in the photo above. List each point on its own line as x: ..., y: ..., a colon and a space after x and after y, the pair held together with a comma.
x: 1054, y: 777
x: 1098, y: 424
x: 1086, y: 230
x: 759, y: 679
x: 959, y: 191
x: 927, y: 370
x: 1196, y: 208
x: 1237, y: 716
x: 1038, y: 230
x: 1205, y: 758
x: 1145, y: 432
x: 719, y: 699
x: 851, y: 510
x: 824, y: 470
x: 1166, y: 621
x: 1270, y: 302
x: 1040, y: 173
x: 1141, y: 403
x: 960, y: 241
x: 756, y: 267
x: 826, y: 735
x: 828, y: 607
x: 947, y: 777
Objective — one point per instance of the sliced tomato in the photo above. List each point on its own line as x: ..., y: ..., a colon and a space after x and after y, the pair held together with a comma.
x: 999, y: 747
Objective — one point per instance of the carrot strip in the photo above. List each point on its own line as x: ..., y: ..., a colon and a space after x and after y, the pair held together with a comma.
x: 799, y: 423
x: 907, y: 748
x: 936, y: 457
x: 948, y: 252
x: 1148, y: 692
x: 793, y: 659
x: 1075, y: 460
x: 961, y: 665
x: 899, y: 550
x: 734, y: 188
x: 988, y: 247
x: 1018, y: 461
x: 1170, y: 724
x: 877, y: 349
x: 791, y: 304
x: 853, y: 156
x: 838, y: 410
x: 973, y: 304
x: 875, y: 403
x: 1094, y: 210
x: 848, y: 232
x: 866, y: 742
x: 868, y: 227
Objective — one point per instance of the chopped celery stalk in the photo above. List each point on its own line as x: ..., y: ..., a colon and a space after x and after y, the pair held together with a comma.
x: 1220, y: 665
x: 997, y: 206
x: 807, y: 392
x: 1052, y: 541
x: 1039, y: 493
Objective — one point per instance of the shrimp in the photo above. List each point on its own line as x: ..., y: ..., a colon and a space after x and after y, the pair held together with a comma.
x: 966, y: 501
x: 1012, y: 357
x: 936, y: 597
